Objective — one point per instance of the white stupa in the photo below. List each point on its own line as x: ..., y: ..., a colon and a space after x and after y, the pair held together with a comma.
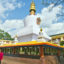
x: 31, y: 28
x: 42, y: 37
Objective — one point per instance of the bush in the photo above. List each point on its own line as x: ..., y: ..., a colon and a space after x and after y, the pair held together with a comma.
x: 62, y: 43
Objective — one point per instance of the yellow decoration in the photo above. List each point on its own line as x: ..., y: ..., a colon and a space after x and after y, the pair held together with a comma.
x: 30, y: 43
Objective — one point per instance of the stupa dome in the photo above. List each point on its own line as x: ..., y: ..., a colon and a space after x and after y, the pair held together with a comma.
x: 30, y: 20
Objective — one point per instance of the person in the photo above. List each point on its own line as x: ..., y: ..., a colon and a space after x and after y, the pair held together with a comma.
x: 1, y: 56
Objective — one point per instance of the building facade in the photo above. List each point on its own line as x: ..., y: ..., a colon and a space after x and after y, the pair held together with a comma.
x: 57, y: 38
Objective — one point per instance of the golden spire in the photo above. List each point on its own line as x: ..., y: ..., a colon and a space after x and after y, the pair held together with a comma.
x: 32, y: 8
x: 41, y: 30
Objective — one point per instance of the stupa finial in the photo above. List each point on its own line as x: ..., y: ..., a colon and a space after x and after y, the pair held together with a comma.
x: 41, y: 29
x: 32, y: 8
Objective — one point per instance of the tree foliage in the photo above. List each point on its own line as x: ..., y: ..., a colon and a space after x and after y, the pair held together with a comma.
x: 62, y: 43
x: 5, y: 35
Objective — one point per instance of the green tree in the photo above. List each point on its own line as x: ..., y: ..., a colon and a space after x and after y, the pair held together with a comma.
x: 1, y: 36
x: 5, y: 35
x: 62, y: 43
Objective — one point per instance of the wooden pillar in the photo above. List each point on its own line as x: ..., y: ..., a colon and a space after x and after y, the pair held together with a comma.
x: 0, y: 50
x: 58, y: 53
x: 42, y: 57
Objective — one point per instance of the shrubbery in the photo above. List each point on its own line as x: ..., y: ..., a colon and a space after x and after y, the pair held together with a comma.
x: 62, y: 43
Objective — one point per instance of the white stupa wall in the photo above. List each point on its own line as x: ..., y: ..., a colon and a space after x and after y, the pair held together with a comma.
x: 31, y: 30
x: 26, y: 38
x: 31, y: 20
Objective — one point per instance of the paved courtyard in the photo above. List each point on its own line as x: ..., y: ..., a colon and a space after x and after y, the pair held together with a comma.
x: 17, y: 60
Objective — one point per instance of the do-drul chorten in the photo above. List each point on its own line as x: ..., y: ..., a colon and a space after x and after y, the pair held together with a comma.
x: 31, y: 28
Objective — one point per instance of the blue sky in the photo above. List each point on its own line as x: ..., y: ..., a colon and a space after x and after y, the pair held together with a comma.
x: 20, y: 13
x: 13, y: 13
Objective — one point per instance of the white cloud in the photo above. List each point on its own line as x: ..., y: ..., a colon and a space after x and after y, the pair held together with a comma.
x: 19, y: 5
x: 12, y: 26
x: 7, y: 5
x: 10, y: 6
x: 55, y: 28
x: 49, y: 17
